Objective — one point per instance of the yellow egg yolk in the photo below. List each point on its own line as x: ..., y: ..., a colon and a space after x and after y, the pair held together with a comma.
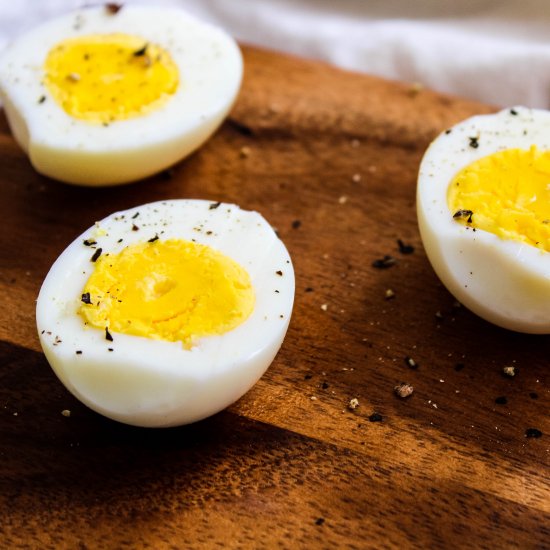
x: 103, y: 78
x: 171, y: 290
x: 506, y: 193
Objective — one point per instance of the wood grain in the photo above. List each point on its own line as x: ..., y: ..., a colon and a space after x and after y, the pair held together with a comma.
x: 330, y: 160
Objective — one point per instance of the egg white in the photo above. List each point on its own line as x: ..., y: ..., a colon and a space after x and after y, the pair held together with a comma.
x: 503, y: 281
x: 156, y: 383
x: 75, y: 151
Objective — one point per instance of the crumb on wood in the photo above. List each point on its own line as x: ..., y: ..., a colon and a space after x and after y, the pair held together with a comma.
x: 403, y: 390
x: 353, y: 404
x: 509, y: 370
x: 415, y: 88
x: 245, y: 151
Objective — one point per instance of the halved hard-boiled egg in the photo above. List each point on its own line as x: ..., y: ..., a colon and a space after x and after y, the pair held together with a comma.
x: 483, y: 202
x: 167, y: 313
x: 111, y: 94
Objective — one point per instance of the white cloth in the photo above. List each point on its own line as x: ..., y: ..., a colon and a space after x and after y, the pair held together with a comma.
x: 496, y: 51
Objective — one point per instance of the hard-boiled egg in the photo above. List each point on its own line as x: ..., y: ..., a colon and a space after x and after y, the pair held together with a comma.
x: 167, y: 313
x: 111, y: 94
x: 483, y: 202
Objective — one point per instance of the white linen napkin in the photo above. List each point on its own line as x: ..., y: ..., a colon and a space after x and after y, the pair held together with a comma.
x: 493, y: 51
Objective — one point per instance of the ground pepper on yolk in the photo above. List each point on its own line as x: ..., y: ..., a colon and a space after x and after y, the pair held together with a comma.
x: 506, y: 193
x: 102, y: 78
x: 172, y: 290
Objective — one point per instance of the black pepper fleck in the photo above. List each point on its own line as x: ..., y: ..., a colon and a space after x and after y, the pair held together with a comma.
x: 113, y: 8
x: 168, y: 174
x: 319, y: 521
x: 78, y: 352
x: 384, y: 263
x: 142, y: 51
x: 89, y: 242
x: 153, y: 239
x: 108, y: 335
x: 214, y: 205
x: 474, y: 142
x: 463, y: 214
x: 279, y: 272
x: 135, y: 227
x: 375, y: 417
x: 96, y: 255
x: 86, y: 298
x: 404, y: 248
x: 42, y: 99
x: 135, y: 215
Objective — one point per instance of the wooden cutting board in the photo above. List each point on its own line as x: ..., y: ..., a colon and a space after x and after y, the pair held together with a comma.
x: 330, y: 159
